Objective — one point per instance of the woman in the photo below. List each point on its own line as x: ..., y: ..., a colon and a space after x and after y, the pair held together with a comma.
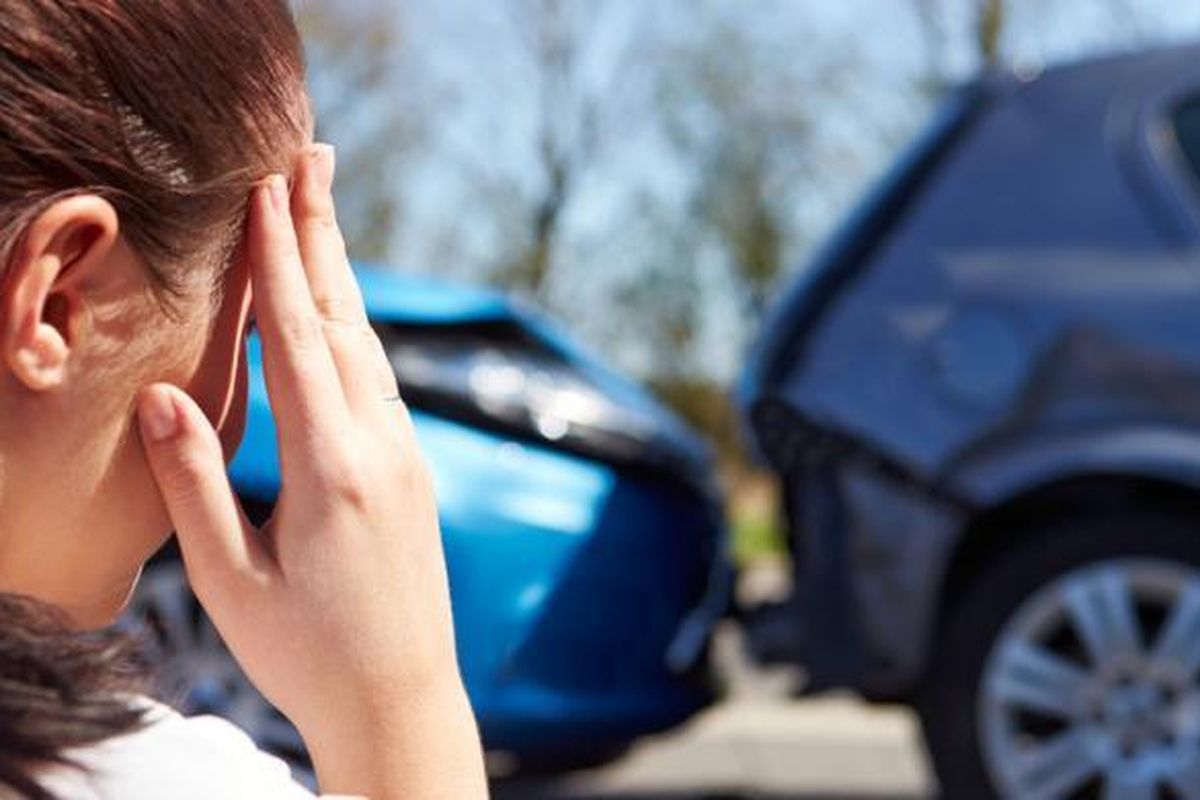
x: 157, y: 181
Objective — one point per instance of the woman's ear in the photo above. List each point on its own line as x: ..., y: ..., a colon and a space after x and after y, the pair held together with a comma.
x: 42, y: 306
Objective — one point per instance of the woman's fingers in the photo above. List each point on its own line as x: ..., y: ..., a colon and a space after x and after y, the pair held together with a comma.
x: 302, y: 381
x: 323, y: 251
x: 366, y: 375
x: 220, y: 549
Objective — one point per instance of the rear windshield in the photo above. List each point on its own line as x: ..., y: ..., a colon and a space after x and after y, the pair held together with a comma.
x: 1187, y: 133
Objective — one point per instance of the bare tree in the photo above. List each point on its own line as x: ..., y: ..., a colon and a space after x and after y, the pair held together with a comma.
x: 989, y: 30
x: 1000, y: 31
x: 985, y: 37
x: 577, y: 114
x: 738, y: 112
x: 363, y: 88
x: 566, y: 134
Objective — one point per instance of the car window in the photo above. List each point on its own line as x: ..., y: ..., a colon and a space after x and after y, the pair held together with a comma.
x: 1187, y: 132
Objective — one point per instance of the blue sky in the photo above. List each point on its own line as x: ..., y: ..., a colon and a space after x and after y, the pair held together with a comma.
x: 466, y: 72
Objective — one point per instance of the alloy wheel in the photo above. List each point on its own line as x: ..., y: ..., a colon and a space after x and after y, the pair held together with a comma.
x: 1092, y: 688
x: 196, y: 672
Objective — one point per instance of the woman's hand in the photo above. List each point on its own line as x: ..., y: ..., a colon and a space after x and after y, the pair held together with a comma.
x: 338, y: 608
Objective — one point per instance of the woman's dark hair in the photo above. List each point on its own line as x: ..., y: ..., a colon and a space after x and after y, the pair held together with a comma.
x: 59, y: 689
x: 170, y: 109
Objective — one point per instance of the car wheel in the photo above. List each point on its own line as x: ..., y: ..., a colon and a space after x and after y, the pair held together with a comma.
x: 1071, y: 669
x: 197, y: 674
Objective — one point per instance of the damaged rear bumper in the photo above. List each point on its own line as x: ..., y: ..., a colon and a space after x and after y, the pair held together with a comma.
x: 869, y: 538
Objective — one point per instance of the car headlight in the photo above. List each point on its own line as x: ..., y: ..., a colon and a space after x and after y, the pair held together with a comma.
x: 505, y: 379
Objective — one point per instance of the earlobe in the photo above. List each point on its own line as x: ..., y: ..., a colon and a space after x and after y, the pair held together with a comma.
x: 41, y: 305
x: 42, y: 365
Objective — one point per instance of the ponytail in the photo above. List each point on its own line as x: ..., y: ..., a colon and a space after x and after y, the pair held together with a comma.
x: 60, y: 689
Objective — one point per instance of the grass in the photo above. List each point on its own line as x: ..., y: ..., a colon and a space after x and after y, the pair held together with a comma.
x: 756, y: 528
x: 755, y: 538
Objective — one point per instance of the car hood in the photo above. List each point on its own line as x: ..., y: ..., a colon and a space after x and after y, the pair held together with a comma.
x: 392, y: 296
x: 422, y: 300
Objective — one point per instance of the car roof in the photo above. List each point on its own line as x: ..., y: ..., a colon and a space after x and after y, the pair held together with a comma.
x: 1098, y: 134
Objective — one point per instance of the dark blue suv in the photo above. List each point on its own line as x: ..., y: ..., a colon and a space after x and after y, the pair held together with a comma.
x: 983, y: 401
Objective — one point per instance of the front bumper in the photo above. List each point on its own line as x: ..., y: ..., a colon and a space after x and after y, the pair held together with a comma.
x: 688, y: 649
x: 584, y: 595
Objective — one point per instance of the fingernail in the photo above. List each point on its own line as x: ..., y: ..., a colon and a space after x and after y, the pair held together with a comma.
x: 324, y: 159
x: 279, y: 193
x: 156, y: 415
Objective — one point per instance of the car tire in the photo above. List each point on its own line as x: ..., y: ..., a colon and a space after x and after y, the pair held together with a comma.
x: 553, y: 764
x: 194, y: 671
x: 1001, y: 720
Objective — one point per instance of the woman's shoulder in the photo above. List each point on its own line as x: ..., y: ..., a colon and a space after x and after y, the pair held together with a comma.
x: 176, y: 758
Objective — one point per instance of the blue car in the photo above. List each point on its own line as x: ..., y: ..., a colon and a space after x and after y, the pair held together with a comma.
x: 583, y: 531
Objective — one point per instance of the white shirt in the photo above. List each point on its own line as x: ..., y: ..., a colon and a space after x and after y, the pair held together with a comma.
x: 176, y: 758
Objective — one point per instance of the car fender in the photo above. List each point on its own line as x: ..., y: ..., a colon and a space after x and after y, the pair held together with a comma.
x: 986, y: 480
x: 990, y: 477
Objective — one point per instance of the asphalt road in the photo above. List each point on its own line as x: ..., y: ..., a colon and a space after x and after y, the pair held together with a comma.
x: 760, y: 745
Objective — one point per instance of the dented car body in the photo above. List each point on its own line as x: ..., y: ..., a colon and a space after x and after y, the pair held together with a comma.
x: 1003, y: 339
